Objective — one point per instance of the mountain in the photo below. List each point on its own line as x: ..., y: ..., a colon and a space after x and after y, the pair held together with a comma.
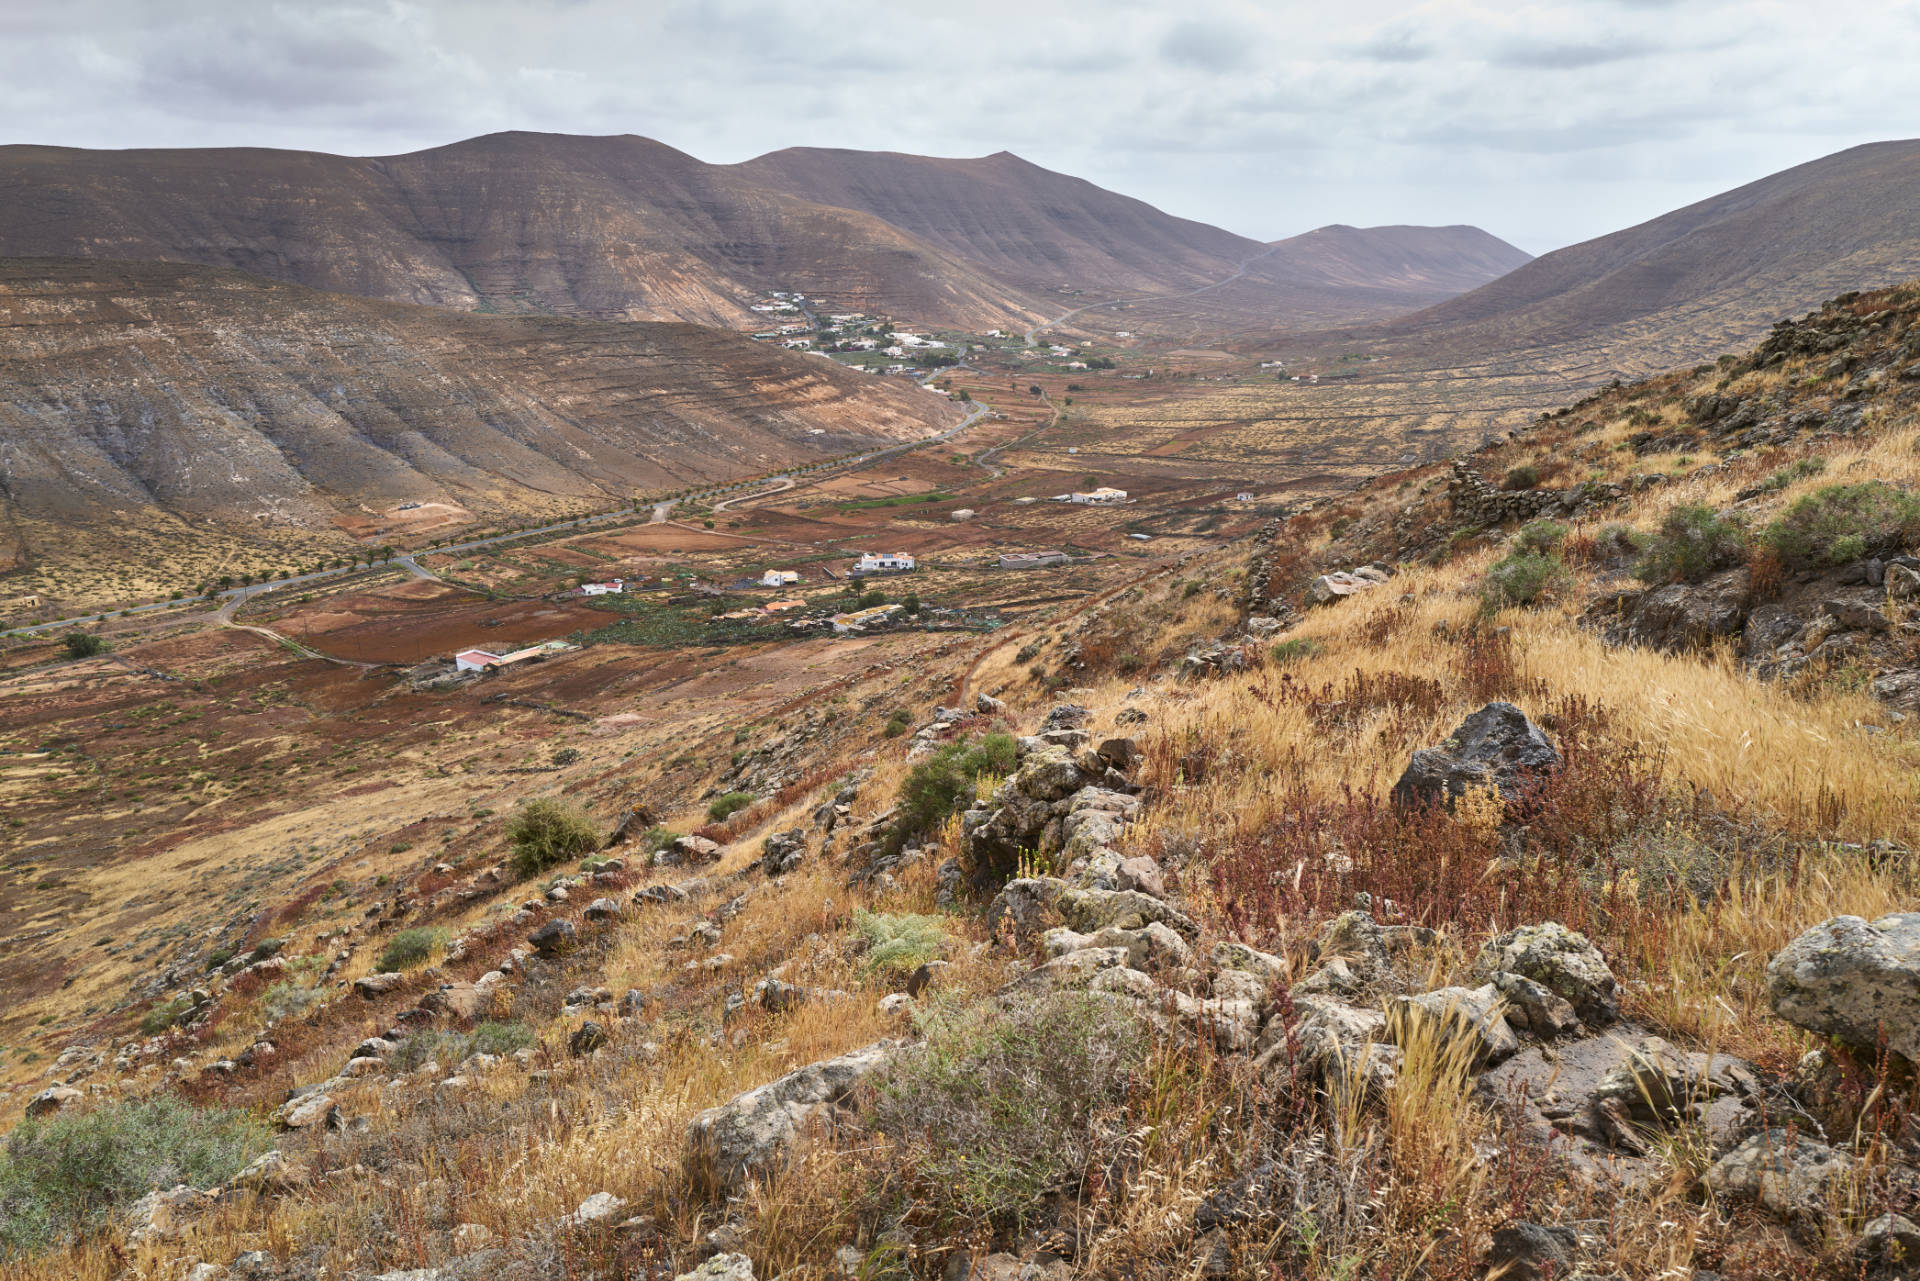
x: 132, y: 393
x: 628, y: 228
x: 1700, y: 280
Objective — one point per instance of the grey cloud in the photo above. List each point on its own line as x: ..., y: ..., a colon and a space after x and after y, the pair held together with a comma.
x: 1569, y: 55
x: 1401, y: 45
x: 1209, y: 46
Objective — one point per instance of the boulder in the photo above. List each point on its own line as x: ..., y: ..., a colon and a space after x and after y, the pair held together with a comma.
x: 1524, y: 1251
x: 1683, y: 616
x: 1454, y: 1014
x: 1889, y: 1246
x: 1787, y: 1174
x: 689, y: 851
x: 1027, y: 904
x: 1853, y: 980
x: 598, y: 1208
x: 1561, y: 960
x: 555, y: 938
x: 603, y: 911
x: 52, y: 1100
x: 721, y: 1267
x: 310, y: 1112
x: 372, y: 985
x: 783, y: 852
x: 586, y: 1038
x: 752, y: 1132
x: 1533, y: 1009
x: 1338, y: 585
x: 1496, y: 748
x: 987, y: 705
x: 1142, y: 874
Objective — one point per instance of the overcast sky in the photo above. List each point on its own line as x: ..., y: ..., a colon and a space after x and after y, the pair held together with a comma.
x: 1544, y: 123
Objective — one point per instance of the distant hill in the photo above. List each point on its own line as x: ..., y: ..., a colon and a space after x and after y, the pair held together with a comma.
x: 628, y: 228
x: 136, y: 393
x: 1701, y: 280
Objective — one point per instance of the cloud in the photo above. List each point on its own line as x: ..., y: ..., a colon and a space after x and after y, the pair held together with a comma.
x: 1204, y: 45
x: 1555, y: 55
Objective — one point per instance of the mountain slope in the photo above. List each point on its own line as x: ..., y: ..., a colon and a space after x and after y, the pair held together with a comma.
x: 628, y: 228
x: 132, y: 392
x: 1705, y: 278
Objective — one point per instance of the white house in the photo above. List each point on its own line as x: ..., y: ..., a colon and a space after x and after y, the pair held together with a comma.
x: 883, y: 563
x: 961, y: 513
x: 612, y: 587
x: 1102, y: 497
x: 475, y: 660
x: 779, y: 578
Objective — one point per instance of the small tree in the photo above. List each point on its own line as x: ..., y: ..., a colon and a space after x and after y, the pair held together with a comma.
x: 84, y: 645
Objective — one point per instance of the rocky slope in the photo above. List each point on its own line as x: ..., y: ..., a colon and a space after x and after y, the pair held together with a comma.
x: 141, y: 392
x: 629, y: 228
x: 1437, y: 928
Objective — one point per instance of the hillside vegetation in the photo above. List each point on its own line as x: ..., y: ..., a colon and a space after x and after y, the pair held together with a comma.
x: 1507, y: 908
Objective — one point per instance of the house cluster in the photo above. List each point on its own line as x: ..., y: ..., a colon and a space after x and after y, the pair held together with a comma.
x: 882, y: 563
x: 485, y: 660
x: 779, y: 578
x: 611, y: 587
x: 1105, y: 496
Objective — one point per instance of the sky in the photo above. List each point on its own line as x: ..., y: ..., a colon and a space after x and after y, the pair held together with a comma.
x: 1545, y: 123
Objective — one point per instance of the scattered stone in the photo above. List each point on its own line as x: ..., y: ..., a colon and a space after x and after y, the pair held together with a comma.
x: 1888, y: 1246
x: 373, y: 985
x: 721, y: 1267
x: 1143, y: 874
x: 1532, y: 1008
x: 586, y: 1038
x: 1453, y: 1013
x: 1853, y: 980
x: 1787, y: 1174
x: 1561, y: 960
x: 555, y: 938
x: 603, y: 911
x: 988, y: 705
x: 1524, y: 1251
x: 314, y: 1111
x: 750, y: 1132
x: 1495, y: 748
x: 52, y: 1100
x: 783, y: 852
x: 598, y: 1208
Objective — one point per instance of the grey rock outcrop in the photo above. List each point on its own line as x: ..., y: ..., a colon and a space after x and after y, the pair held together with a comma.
x: 1561, y: 960
x: 1853, y: 980
x: 1496, y: 748
x: 754, y: 1131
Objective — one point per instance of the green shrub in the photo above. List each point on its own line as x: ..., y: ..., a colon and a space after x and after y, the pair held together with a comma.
x: 898, y: 723
x: 1520, y: 579
x: 409, y: 948
x: 66, y: 1175
x: 1842, y: 523
x: 450, y: 1048
x: 1542, y: 536
x: 1525, y: 476
x: 1002, y: 1104
x: 287, y: 998
x: 1801, y: 470
x: 545, y: 831
x: 165, y: 1015
x: 1692, y: 543
x: 899, y: 944
x: 725, y: 807
x: 1292, y: 651
x: 83, y: 645
x: 943, y: 783
x: 566, y: 756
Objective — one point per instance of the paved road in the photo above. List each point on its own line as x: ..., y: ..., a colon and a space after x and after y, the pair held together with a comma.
x: 781, y: 485
x: 1064, y: 317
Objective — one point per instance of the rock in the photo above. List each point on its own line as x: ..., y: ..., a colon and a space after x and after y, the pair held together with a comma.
x: 586, y: 1038
x: 1027, y: 902
x: 1684, y: 616
x: 1333, y: 1042
x: 896, y: 1005
x: 1142, y: 874
x: 1889, y: 1246
x: 1356, y: 938
x: 721, y: 1267
x: 690, y: 851
x: 162, y: 1216
x: 1338, y: 585
x: 1121, y: 753
x: 1532, y: 1008
x: 555, y: 938
x: 1524, y: 1251
x: 1656, y: 1087
x: 1787, y: 1174
x: 598, y: 1208
x: 1239, y: 985
x: 372, y: 985
x: 987, y: 705
x: 254, y: 1265
x: 375, y: 1047
x: 207, y: 1272
x: 783, y: 852
x: 1497, y: 747
x: 1074, y: 968
x: 314, y: 1111
x: 268, y: 1172
x: 1853, y: 980
x: 1067, y: 716
x: 1561, y: 960
x: 752, y: 1131
x: 458, y: 1001
x: 1238, y: 956
x: 1455, y: 1013
x: 52, y: 1100
x: 603, y: 911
